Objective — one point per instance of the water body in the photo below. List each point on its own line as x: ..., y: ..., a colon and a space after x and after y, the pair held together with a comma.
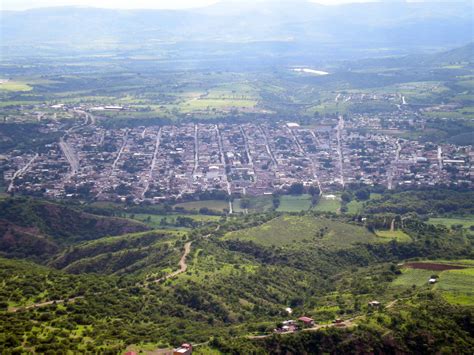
x: 311, y: 71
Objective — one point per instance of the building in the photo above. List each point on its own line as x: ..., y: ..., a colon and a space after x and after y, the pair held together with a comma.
x: 306, y: 321
x: 184, y: 349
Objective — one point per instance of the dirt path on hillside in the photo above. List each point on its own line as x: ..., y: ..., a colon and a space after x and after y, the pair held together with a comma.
x: 183, y: 266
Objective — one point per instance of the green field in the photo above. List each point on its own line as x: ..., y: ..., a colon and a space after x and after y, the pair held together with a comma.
x: 398, y: 235
x: 215, y: 205
x: 354, y: 207
x: 15, y: 86
x: 305, y: 230
x: 328, y: 205
x: 456, y: 286
x: 290, y: 203
x: 256, y: 204
x: 410, y: 277
x: 155, y: 220
x: 466, y: 222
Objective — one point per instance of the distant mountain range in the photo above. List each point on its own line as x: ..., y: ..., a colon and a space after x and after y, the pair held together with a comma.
x: 281, y: 27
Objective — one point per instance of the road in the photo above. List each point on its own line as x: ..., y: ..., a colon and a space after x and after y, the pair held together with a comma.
x: 153, y: 162
x: 247, y: 151
x: 440, y: 158
x: 339, y: 128
x: 347, y: 323
x: 21, y: 171
x: 196, y: 149
x: 302, y: 150
x: 223, y: 161
x: 70, y: 156
x: 124, y: 143
x: 270, y: 153
x: 394, y: 166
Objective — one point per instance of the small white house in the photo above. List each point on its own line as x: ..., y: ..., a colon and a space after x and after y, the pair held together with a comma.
x: 432, y: 280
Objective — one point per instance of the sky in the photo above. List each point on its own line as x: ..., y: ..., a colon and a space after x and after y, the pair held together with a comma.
x: 131, y: 4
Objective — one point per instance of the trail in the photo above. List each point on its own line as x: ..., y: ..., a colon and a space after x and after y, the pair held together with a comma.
x: 183, y: 266
x: 347, y: 323
x: 43, y: 304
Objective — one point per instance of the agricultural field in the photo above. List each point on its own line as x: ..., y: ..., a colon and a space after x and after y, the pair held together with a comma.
x: 297, y: 203
x: 162, y: 220
x: 466, y: 222
x: 292, y: 231
x: 455, y: 279
x: 328, y: 205
x: 14, y: 86
x: 213, y: 205
x: 398, y: 235
x: 255, y: 204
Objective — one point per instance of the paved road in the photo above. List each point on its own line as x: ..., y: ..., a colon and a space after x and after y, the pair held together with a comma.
x: 21, y: 171
x: 339, y: 128
x: 270, y: 153
x: 70, y: 156
x: 223, y: 161
x: 153, y: 163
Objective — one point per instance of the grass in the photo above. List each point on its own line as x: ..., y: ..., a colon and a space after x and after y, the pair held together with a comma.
x: 398, y: 235
x: 155, y: 220
x: 256, y: 204
x: 215, y: 205
x: 15, y: 86
x: 456, y: 286
x: 410, y: 277
x: 328, y: 205
x: 466, y: 222
x: 297, y: 203
x: 354, y: 207
x: 304, y: 231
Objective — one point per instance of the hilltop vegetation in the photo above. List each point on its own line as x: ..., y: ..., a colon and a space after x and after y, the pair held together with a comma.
x: 32, y: 228
x: 105, y: 293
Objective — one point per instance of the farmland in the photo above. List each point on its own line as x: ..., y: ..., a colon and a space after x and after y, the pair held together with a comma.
x: 289, y: 203
x: 328, y: 205
x: 454, y: 279
x: 214, y: 205
x: 296, y: 231
x: 465, y: 222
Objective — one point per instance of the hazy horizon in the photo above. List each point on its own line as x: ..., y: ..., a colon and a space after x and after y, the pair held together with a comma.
x: 19, y: 5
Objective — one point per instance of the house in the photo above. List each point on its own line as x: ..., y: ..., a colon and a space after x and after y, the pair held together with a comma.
x: 374, y: 303
x: 184, y: 349
x: 306, y: 321
x: 432, y: 280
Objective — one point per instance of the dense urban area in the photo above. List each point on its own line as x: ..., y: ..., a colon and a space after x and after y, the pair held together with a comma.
x: 154, y: 163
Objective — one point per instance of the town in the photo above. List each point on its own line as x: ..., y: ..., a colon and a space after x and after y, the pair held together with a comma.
x: 156, y: 163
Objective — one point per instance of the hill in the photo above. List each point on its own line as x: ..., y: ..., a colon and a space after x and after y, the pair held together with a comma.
x: 256, y: 25
x: 37, y: 228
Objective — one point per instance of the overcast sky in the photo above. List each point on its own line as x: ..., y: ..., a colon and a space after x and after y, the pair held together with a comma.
x: 131, y: 4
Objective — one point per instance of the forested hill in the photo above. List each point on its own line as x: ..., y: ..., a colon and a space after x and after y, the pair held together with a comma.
x: 33, y: 228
